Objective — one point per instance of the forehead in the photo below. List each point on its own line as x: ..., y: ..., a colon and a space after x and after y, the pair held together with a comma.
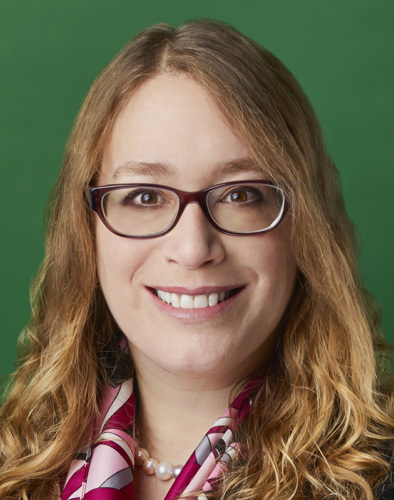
x: 171, y: 127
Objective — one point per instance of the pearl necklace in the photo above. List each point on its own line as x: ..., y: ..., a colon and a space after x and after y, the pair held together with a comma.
x: 150, y: 466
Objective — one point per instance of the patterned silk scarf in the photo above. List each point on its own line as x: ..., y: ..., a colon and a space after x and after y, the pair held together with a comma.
x: 104, y: 470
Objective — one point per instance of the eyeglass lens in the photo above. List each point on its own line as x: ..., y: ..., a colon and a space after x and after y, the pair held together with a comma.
x: 146, y: 210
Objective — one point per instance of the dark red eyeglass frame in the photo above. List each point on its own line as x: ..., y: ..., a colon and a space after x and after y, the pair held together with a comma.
x: 95, y: 195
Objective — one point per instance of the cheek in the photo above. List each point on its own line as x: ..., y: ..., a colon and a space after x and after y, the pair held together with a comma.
x: 274, y: 263
x: 118, y: 259
x: 272, y: 250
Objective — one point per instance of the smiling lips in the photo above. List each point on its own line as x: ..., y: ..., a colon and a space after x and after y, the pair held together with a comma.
x: 194, y: 301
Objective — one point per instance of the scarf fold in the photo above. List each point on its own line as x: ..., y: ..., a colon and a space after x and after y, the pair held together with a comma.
x: 104, y: 470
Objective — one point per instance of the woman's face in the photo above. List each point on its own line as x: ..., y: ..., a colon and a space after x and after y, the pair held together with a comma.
x: 170, y: 133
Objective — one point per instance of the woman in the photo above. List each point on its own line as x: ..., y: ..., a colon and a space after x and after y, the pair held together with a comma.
x: 198, y: 257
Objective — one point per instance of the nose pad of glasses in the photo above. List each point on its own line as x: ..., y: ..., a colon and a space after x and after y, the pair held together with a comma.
x: 200, y: 203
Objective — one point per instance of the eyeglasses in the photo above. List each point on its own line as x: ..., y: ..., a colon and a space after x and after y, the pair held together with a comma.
x: 151, y: 210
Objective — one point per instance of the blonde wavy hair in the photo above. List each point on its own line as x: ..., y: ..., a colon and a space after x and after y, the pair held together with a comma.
x: 322, y: 425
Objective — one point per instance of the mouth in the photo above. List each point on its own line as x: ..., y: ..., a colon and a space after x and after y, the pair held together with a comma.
x: 194, y: 301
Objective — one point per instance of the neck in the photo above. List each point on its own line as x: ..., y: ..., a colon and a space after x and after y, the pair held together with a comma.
x: 175, y: 412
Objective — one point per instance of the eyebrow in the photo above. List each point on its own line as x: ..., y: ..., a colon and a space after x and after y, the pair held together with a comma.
x: 144, y: 168
x: 154, y: 169
x: 239, y: 165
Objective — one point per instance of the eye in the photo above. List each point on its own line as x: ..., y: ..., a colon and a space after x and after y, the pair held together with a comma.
x: 147, y: 198
x: 142, y: 197
x: 241, y: 195
x: 238, y: 196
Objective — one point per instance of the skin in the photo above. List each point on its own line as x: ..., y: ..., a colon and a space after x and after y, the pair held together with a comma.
x: 186, y: 362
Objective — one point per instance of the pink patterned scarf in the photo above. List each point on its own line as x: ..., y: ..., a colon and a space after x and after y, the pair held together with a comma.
x: 104, y: 470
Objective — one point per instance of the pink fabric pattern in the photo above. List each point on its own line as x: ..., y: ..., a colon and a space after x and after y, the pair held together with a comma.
x: 104, y: 470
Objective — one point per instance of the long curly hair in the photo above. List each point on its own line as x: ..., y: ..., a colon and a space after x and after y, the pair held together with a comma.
x: 322, y: 425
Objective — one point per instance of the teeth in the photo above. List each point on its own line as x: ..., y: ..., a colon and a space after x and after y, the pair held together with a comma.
x: 192, y: 301
x: 200, y: 301
x: 186, y: 302
x: 175, y: 302
x: 213, y: 299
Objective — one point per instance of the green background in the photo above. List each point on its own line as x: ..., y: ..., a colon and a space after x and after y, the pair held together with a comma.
x: 341, y: 51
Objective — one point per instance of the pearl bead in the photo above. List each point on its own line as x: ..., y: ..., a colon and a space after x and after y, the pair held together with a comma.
x: 141, y: 456
x: 149, y: 466
x: 163, y: 471
x: 176, y: 470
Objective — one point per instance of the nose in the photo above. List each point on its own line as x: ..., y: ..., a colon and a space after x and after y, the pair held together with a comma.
x: 193, y: 242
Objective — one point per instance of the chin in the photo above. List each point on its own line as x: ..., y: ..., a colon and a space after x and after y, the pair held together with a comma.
x: 191, y: 364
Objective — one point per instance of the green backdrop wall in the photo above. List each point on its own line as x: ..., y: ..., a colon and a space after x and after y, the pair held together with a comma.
x: 50, y: 51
